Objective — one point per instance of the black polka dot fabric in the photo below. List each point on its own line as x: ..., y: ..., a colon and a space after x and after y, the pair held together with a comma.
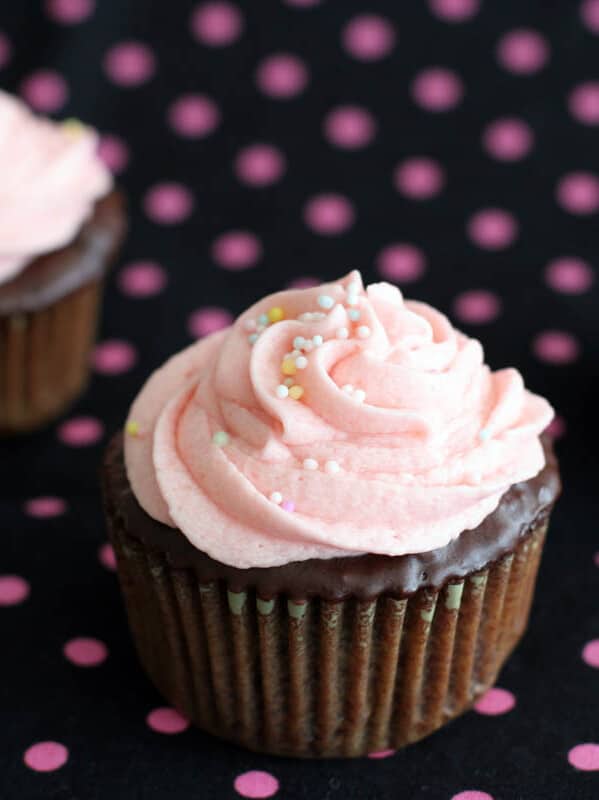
x: 447, y: 146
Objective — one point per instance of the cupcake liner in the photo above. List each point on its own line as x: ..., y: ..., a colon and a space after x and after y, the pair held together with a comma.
x: 44, y: 358
x: 318, y: 678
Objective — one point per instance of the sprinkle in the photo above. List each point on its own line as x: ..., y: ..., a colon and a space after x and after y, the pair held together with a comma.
x: 277, y: 498
x: 288, y: 366
x: 275, y: 314
x: 353, y: 288
x: 263, y: 319
x: 484, y: 434
x: 352, y: 300
x: 326, y: 301
x: 73, y: 126
x: 132, y: 427
x: 342, y: 333
x: 353, y: 314
x: 331, y: 467
x: 317, y: 340
x: 288, y: 382
x: 301, y: 362
x: 250, y: 324
x: 253, y: 338
x: 310, y: 463
x: 348, y: 388
x: 308, y: 347
x: 316, y: 315
x: 295, y: 354
x: 282, y: 391
x: 359, y: 395
x: 299, y: 342
x: 363, y: 332
x: 288, y: 505
x: 220, y: 438
x: 261, y: 328
x: 295, y: 392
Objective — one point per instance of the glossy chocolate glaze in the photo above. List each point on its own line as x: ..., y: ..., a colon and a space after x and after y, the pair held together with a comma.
x: 53, y: 275
x: 524, y: 507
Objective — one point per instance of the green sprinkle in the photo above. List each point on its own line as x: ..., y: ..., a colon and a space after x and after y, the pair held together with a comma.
x: 220, y: 438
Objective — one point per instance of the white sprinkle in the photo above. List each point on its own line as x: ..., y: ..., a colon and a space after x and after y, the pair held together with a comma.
x: 326, y: 301
x: 277, y: 498
x: 288, y: 382
x: 359, y: 395
x: 310, y: 463
x: 353, y: 288
x: 282, y: 391
x: 363, y: 332
x: 352, y: 300
x: 295, y: 354
x: 253, y: 338
x: 298, y: 342
x: 484, y: 434
x: 342, y: 333
x: 317, y: 340
x: 301, y: 362
x: 353, y: 314
x: 348, y: 388
x: 250, y: 324
x: 331, y: 467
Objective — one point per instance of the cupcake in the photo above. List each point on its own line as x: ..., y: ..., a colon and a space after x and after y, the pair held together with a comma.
x: 61, y: 223
x: 328, y: 520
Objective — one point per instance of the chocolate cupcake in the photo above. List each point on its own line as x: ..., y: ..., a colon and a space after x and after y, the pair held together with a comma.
x: 61, y: 223
x: 328, y: 521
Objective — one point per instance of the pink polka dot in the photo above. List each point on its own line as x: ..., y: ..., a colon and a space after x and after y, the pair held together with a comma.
x: 45, y: 90
x: 142, y: 279
x: 208, y: 320
x: 472, y: 794
x: 578, y: 193
x: 85, y: 652
x: 589, y: 12
x: 260, y: 165
x: 304, y: 282
x: 508, y: 139
x: 350, y: 127
x: 194, y: 116
x: 129, y: 64
x: 114, y: 153
x: 454, y: 10
x: 585, y: 757
x: 282, y: 76
x: 107, y: 557
x: 368, y: 37
x: 590, y: 653
x: 556, y: 347
x: 46, y: 756
x: 329, y: 214
x: 45, y: 507
x: 437, y: 89
x: 583, y: 103
x: 492, y: 228
x: 5, y: 49
x: 404, y: 263
x: 168, y: 203
x: 216, y: 24
x: 569, y: 274
x: 556, y: 428
x: 69, y: 12
x: 495, y: 701
x: 13, y: 590
x: 167, y: 720
x: 523, y: 51
x: 236, y: 250
x: 382, y: 754
x: 80, y: 431
x: 256, y: 784
x: 477, y: 306
x: 419, y: 178
x: 113, y: 357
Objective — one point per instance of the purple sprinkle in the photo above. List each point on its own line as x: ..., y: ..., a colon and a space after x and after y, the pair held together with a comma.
x: 288, y: 505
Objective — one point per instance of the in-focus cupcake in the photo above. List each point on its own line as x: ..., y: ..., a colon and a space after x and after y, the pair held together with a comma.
x: 61, y: 223
x: 328, y: 520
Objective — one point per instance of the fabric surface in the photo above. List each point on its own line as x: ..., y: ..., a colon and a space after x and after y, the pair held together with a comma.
x: 449, y: 146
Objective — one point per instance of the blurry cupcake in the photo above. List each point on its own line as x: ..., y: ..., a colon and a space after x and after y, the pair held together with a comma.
x: 61, y: 223
x: 328, y: 520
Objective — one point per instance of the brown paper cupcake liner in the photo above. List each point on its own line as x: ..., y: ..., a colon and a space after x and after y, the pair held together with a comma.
x: 44, y: 358
x: 319, y: 678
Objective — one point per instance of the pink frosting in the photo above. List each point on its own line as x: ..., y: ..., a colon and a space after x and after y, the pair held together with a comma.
x: 424, y: 446
x: 51, y: 177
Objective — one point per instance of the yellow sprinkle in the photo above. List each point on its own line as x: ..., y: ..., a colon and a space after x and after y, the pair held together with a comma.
x: 132, y: 427
x: 288, y: 366
x: 275, y: 314
x: 73, y: 126
x: 296, y: 392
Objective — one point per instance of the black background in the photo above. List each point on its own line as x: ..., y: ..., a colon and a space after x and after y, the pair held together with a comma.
x: 99, y: 713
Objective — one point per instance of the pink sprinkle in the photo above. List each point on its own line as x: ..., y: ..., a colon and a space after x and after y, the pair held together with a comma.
x: 369, y: 37
x: 585, y: 757
x: 69, y: 12
x: 208, y: 320
x: 216, y: 24
x: 107, y: 557
x: 578, y: 193
x: 80, y: 431
x: 113, y: 357
x: 46, y: 756
x: 256, y: 784
x: 45, y: 90
x: 194, y: 116
x: 5, y: 49
x: 590, y: 653
x: 282, y: 76
x: 114, y: 153
x: 508, y: 139
x: 45, y: 507
x: 437, y: 89
x: 523, y: 51
x: 168, y: 203
x: 288, y: 505
x: 236, y: 250
x: 570, y: 275
x: 495, y: 701
x: 142, y: 279
x: 13, y: 590
x: 329, y: 214
x: 382, y: 754
x: 130, y: 64
x: 350, y: 127
x: 260, y: 165
x: 167, y: 720
x: 419, y: 178
x: 85, y: 652
x: 403, y: 263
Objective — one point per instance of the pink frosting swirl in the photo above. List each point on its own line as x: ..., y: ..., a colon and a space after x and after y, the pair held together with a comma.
x: 51, y: 178
x: 402, y: 438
